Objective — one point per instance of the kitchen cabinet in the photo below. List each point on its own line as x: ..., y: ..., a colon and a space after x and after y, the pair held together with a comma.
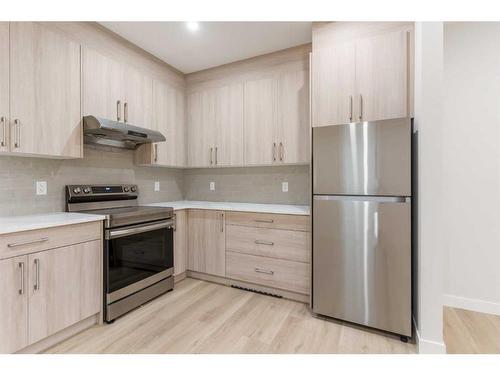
x: 4, y: 86
x: 215, y: 122
x: 14, y: 304
x: 206, y: 242
x: 168, y: 119
x: 45, y: 92
x: 64, y: 287
x: 364, y: 78
x: 334, y: 86
x: 382, y: 76
x: 180, y: 242
x: 276, y: 119
x: 261, y: 121
x: 137, y: 98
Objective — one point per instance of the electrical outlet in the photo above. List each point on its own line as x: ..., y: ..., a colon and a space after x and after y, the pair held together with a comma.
x: 284, y: 187
x: 212, y: 185
x: 157, y: 185
x: 41, y: 188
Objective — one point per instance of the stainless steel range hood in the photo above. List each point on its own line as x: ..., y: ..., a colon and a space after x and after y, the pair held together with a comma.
x: 105, y: 132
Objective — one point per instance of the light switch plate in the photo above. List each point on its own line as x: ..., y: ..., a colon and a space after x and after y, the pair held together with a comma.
x: 284, y: 187
x: 157, y: 185
x: 212, y: 185
x: 41, y: 188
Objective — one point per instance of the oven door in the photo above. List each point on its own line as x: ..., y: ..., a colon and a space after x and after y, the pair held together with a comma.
x: 136, y: 257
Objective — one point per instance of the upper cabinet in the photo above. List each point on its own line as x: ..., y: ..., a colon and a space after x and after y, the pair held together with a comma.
x: 361, y: 72
x: 45, y: 116
x: 115, y: 91
x: 4, y: 86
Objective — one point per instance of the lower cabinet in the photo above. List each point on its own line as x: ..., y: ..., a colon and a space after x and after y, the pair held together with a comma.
x: 180, y: 242
x: 207, y: 242
x: 44, y: 292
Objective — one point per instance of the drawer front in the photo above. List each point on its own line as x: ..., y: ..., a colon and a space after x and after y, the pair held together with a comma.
x: 15, y: 244
x: 274, y: 243
x: 275, y: 273
x: 273, y: 221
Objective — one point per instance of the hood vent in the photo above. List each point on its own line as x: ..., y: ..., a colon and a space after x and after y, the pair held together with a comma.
x: 117, y: 134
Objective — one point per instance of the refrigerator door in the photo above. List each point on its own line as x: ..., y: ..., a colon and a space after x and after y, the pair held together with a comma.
x: 366, y: 158
x: 362, y: 260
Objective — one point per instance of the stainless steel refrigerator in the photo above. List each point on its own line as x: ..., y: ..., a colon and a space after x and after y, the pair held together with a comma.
x: 362, y: 223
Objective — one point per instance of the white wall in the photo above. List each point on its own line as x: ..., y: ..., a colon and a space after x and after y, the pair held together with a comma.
x: 429, y: 249
x: 471, y: 156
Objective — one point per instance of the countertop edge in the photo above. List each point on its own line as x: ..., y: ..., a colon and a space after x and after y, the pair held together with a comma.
x: 28, y: 226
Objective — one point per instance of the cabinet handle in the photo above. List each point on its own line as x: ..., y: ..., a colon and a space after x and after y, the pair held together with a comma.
x: 350, y: 107
x: 274, y: 151
x: 118, y: 110
x: 260, y: 270
x: 211, y: 158
x: 37, y: 275
x: 17, y: 142
x: 125, y: 112
x: 360, y: 106
x: 2, y: 120
x: 260, y: 242
x: 222, y: 222
x: 264, y: 221
x: 156, y: 152
x: 21, y: 266
x: 216, y: 156
x: 281, y: 151
x: 17, y: 244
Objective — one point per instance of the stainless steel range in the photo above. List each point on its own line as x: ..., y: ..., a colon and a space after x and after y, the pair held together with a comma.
x: 138, y: 244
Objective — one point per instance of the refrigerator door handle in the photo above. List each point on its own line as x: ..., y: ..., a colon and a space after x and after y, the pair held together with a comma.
x: 363, y: 198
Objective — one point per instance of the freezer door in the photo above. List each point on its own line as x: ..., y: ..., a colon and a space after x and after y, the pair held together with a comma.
x: 367, y: 158
x: 362, y: 261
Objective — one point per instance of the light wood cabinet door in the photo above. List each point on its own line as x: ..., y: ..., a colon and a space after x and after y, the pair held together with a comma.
x: 64, y: 287
x: 45, y: 92
x: 4, y: 86
x: 260, y: 121
x: 382, y: 76
x: 229, y: 125
x: 103, y: 86
x: 180, y: 242
x: 333, y: 84
x: 292, y: 135
x: 201, y: 128
x: 206, y: 242
x: 138, y: 98
x: 13, y: 304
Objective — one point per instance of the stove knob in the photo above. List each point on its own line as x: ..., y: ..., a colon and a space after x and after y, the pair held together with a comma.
x: 77, y: 190
x: 126, y: 189
x: 134, y: 189
x: 86, y: 190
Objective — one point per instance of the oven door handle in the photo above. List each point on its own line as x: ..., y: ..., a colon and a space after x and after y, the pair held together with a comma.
x: 116, y: 233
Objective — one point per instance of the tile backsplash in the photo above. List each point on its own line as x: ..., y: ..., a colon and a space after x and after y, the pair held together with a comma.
x: 18, y: 176
x: 250, y: 184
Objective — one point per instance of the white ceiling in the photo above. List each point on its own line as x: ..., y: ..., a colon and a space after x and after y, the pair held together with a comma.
x: 214, y: 43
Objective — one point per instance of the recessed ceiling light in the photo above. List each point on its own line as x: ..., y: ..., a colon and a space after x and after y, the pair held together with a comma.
x: 192, y: 26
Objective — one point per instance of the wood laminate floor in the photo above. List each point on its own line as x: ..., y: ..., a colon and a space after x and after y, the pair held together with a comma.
x: 202, y: 317
x: 469, y: 332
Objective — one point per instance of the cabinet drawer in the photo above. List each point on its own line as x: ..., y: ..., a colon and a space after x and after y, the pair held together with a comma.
x: 274, y: 243
x: 20, y: 243
x: 276, y: 273
x: 274, y: 221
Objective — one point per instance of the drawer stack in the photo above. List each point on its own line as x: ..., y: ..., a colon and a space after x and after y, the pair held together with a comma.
x: 269, y: 249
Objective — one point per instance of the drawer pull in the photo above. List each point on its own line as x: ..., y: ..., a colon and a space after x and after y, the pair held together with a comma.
x: 267, y: 272
x: 264, y: 221
x: 259, y: 242
x: 17, y: 244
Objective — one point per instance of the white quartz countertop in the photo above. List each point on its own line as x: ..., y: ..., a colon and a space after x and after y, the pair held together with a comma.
x: 11, y: 224
x: 234, y: 206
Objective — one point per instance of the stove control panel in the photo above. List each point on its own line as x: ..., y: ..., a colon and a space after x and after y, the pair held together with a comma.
x: 74, y: 192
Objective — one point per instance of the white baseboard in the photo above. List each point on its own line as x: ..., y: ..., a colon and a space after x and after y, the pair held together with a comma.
x: 478, y: 305
x: 428, y: 346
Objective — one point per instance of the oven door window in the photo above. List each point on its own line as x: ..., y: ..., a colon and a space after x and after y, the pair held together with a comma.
x: 136, y: 257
